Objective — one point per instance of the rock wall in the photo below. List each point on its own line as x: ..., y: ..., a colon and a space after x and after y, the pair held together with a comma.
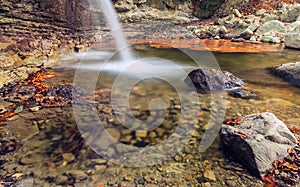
x: 38, y: 30
x: 200, y: 8
x: 36, y: 15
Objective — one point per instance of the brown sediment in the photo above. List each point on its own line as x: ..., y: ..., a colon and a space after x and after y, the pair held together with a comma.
x: 222, y: 45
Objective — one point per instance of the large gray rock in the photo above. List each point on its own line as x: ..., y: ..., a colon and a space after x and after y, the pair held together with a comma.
x: 274, y: 26
x: 292, y: 40
x: 295, y: 26
x: 246, y: 34
x: 291, y: 13
x: 206, y: 80
x: 289, y: 72
x: 258, y: 141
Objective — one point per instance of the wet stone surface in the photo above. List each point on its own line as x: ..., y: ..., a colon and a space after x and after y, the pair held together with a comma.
x: 289, y: 72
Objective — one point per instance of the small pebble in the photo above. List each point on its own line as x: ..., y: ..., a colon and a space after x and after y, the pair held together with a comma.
x: 231, y: 183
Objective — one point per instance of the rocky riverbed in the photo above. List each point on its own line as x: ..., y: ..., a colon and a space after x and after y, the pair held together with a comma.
x: 41, y: 144
x: 47, y: 157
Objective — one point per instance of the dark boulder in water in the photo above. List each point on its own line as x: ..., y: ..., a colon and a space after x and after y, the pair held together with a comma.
x: 205, y: 80
x: 289, y: 72
x: 244, y: 94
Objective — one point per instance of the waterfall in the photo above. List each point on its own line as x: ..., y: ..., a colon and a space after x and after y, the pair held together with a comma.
x: 116, y: 30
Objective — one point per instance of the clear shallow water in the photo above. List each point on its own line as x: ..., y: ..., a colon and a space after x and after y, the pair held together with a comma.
x: 277, y: 95
x: 59, y: 148
x: 251, y: 67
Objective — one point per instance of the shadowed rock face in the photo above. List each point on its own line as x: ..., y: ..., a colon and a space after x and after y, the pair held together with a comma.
x: 258, y: 141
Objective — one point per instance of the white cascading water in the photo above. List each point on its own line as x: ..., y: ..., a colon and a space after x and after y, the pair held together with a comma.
x: 96, y: 60
x: 116, y: 30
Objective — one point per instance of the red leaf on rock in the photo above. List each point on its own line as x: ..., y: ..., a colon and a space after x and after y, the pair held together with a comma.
x: 269, y: 185
x: 268, y: 179
x: 233, y: 121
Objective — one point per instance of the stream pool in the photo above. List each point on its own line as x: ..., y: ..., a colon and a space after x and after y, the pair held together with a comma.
x: 58, y: 156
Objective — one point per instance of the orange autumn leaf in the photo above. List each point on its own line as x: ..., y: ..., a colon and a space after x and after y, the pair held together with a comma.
x: 291, y: 166
x: 268, y: 179
x: 269, y: 185
x: 50, y: 73
x: 3, y: 119
x: 9, y: 114
x: 295, y: 130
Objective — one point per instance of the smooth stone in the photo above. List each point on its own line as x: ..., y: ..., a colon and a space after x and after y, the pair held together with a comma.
x: 126, y: 132
x: 231, y: 183
x: 141, y: 134
x: 107, y: 110
x: 276, y: 40
x: 237, y: 13
x: 126, y: 139
x: 99, y: 161
x: 213, y: 31
x: 268, y: 17
x: 100, y: 167
x: 68, y: 157
x: 61, y: 179
x: 114, y: 133
x: 209, y: 175
x: 19, y: 109
x: 254, y: 26
x: 292, y: 40
x: 295, y: 26
x: 267, y: 38
x: 223, y: 30
x: 273, y: 26
x: 291, y: 13
x: 77, y: 175
x: 205, y: 80
x: 17, y: 175
x: 152, y: 134
x: 289, y: 72
x: 260, y: 12
x: 27, y: 161
x: 195, y: 133
x: 167, y: 125
x: 246, y: 34
x: 244, y: 94
x: 160, y: 131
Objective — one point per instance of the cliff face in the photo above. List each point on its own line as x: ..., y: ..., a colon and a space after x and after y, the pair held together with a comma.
x: 200, y: 8
x: 38, y: 16
x: 36, y: 30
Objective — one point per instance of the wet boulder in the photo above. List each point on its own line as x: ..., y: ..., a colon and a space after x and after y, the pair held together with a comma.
x: 244, y: 94
x: 257, y: 140
x: 289, y: 72
x: 205, y: 80
x: 292, y: 40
